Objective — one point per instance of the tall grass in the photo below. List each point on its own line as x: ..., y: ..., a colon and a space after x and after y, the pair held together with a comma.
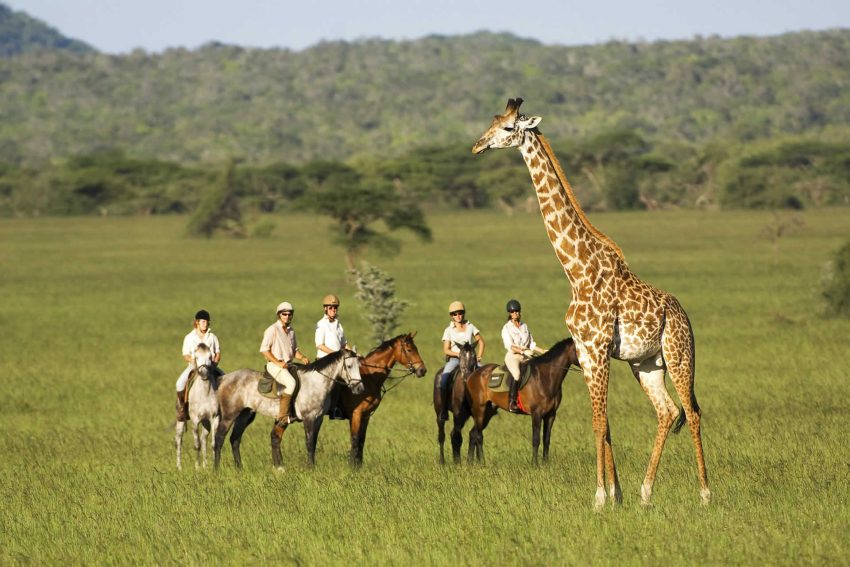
x: 94, y: 311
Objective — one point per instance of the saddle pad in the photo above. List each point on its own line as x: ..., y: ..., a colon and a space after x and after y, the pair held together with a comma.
x: 268, y: 387
x: 498, y: 383
x: 189, y: 383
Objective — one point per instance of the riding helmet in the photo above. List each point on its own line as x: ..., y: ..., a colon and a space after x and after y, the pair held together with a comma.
x: 513, y: 305
x: 456, y: 306
x: 330, y: 299
x: 202, y: 315
x: 285, y: 306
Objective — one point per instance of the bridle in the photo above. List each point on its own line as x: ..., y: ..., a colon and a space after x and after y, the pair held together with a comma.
x: 347, y: 381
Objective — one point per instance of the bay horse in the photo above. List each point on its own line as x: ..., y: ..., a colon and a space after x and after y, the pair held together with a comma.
x: 240, y: 402
x: 540, y: 397
x: 375, y: 368
x: 455, y: 401
x: 203, y: 405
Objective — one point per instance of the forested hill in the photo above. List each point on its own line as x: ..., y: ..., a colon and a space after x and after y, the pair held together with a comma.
x: 19, y: 33
x: 375, y: 98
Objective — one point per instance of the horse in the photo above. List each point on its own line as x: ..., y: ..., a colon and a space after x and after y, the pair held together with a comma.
x: 455, y: 401
x: 203, y: 405
x: 540, y: 397
x: 375, y: 368
x: 240, y: 402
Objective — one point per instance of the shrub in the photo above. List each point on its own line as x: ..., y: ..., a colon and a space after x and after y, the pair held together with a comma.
x: 836, y: 283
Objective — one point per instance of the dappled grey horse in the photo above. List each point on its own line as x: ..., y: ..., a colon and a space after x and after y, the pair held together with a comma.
x: 240, y: 402
x: 203, y: 405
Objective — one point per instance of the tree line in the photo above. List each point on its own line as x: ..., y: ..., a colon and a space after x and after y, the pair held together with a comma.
x: 613, y: 170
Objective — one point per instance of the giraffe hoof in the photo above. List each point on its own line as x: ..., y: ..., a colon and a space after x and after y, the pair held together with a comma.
x: 705, y: 496
x: 645, y: 495
x: 599, y: 503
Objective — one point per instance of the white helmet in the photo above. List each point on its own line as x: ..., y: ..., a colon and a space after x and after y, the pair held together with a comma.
x: 285, y: 306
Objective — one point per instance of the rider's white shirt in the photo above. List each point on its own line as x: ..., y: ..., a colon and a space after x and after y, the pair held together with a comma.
x: 329, y: 334
x: 518, y: 336
x: 455, y: 335
x: 192, y: 340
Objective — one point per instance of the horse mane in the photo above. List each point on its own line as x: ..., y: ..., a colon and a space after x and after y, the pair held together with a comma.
x: 384, y: 345
x: 554, y: 352
x: 562, y: 177
x: 322, y: 363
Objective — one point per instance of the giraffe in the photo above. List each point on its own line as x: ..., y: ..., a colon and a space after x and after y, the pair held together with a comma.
x: 612, y: 313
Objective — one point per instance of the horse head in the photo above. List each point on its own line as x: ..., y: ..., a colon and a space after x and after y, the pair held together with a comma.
x: 467, y: 359
x: 351, y: 372
x: 202, y: 360
x: 407, y: 353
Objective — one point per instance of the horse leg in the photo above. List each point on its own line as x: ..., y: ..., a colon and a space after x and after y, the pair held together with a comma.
x: 311, y: 437
x: 354, y: 429
x: 242, y: 421
x: 204, y: 433
x: 364, y: 425
x: 441, y: 437
x: 548, y: 422
x: 178, y: 442
x: 213, y: 427
x: 218, y: 441
x: 196, y: 438
x: 536, y: 419
x: 460, y: 417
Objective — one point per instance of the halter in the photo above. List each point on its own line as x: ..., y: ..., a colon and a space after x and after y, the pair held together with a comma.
x: 346, y: 382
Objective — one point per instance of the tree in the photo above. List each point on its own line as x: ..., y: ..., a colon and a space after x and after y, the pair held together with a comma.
x: 376, y: 289
x: 358, y: 204
x: 219, y: 209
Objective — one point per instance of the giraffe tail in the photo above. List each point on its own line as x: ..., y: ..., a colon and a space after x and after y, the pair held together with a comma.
x: 683, y: 418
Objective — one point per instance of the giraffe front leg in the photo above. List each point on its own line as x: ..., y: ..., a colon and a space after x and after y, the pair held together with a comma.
x: 615, y: 494
x: 596, y: 377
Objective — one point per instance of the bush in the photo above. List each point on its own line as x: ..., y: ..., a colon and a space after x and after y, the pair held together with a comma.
x: 836, y: 284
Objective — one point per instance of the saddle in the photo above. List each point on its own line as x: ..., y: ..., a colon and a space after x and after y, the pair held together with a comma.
x: 270, y: 388
x: 191, y: 381
x: 498, y: 378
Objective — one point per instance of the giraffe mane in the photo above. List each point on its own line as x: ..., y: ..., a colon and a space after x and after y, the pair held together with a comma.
x: 574, y: 202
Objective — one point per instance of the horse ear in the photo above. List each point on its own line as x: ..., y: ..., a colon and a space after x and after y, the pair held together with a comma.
x: 411, y: 335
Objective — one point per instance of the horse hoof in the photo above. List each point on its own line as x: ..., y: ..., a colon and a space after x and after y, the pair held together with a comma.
x: 280, y: 469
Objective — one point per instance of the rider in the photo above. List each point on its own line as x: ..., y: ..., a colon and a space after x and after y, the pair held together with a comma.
x: 459, y: 332
x: 279, y: 346
x: 520, y: 345
x: 200, y: 333
x: 330, y: 336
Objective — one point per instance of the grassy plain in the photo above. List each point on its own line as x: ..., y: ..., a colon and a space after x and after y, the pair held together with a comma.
x: 94, y: 310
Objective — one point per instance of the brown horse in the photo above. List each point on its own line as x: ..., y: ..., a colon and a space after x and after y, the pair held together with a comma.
x: 540, y: 397
x: 455, y: 400
x: 375, y: 368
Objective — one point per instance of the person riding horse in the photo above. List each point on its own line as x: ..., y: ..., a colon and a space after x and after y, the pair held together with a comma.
x: 330, y: 336
x: 520, y: 345
x: 200, y: 333
x: 460, y: 331
x: 280, y: 346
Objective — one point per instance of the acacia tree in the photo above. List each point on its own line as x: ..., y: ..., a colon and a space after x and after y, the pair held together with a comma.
x: 219, y: 209
x: 365, y: 209
x: 376, y: 289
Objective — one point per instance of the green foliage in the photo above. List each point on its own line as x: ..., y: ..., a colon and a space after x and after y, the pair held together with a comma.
x: 376, y: 291
x: 339, y: 101
x: 219, y: 209
x: 20, y: 33
x: 836, y: 283
x: 357, y: 202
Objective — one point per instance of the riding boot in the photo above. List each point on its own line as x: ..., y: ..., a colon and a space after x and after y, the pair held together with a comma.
x: 182, y: 406
x: 283, y: 417
x: 514, y: 387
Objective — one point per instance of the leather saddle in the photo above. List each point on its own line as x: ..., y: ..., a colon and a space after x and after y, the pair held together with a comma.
x: 270, y: 388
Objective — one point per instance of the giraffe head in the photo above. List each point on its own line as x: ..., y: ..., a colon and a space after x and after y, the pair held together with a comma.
x: 507, y: 130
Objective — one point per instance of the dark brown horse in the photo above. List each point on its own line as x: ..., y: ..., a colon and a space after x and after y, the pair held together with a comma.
x: 540, y: 397
x: 454, y: 400
x: 375, y: 368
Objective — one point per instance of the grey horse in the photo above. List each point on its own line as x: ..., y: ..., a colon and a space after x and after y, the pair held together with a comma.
x: 203, y: 406
x: 240, y: 402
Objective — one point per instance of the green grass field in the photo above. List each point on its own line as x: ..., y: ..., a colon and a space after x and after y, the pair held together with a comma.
x: 94, y: 311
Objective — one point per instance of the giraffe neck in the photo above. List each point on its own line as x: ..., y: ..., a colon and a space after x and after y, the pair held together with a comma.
x: 575, y: 240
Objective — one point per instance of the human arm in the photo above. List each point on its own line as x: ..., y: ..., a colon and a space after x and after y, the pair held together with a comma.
x: 271, y: 358
x: 480, y: 340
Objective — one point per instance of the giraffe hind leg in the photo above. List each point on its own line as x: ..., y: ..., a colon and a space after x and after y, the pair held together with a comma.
x: 679, y: 355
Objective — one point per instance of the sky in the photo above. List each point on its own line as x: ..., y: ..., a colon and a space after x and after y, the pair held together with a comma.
x: 119, y: 26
